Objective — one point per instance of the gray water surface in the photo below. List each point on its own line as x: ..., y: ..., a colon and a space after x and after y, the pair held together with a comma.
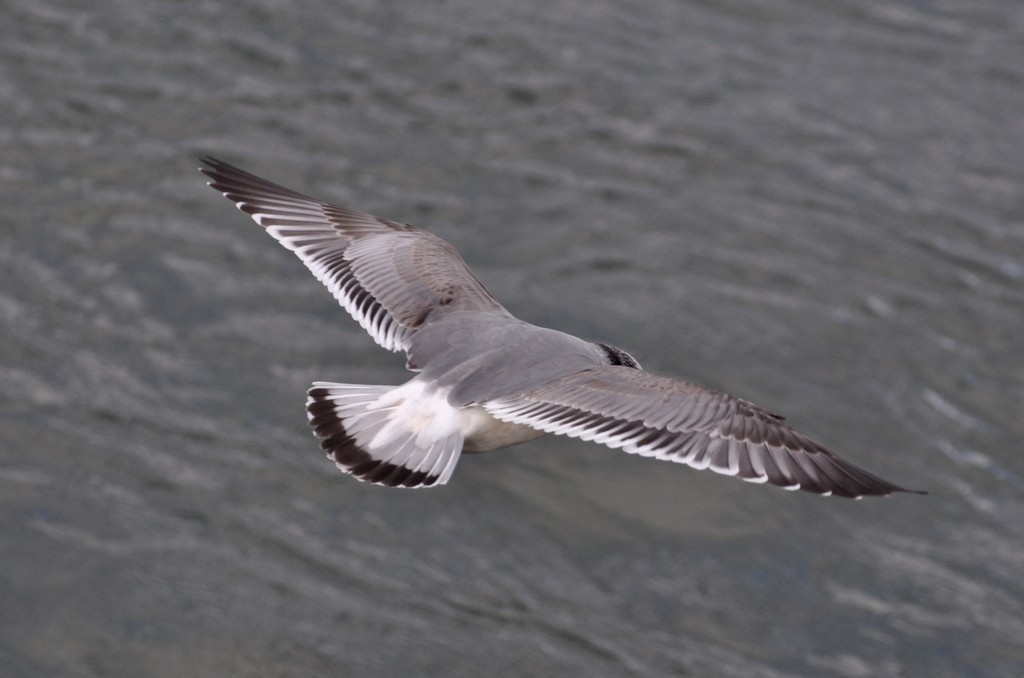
x: 814, y: 206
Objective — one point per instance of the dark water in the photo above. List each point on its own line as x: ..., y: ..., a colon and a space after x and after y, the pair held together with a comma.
x: 816, y: 206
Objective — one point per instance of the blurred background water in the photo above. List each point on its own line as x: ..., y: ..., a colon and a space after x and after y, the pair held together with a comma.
x: 814, y: 206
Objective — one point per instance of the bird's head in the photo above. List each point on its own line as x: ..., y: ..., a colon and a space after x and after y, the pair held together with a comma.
x: 616, y: 356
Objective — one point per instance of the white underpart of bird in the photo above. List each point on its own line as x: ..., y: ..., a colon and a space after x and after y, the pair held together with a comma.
x: 486, y: 380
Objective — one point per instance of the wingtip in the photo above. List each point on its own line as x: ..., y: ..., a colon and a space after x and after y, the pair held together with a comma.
x: 207, y: 167
x: 903, y: 490
x: 885, y: 494
x: 213, y: 165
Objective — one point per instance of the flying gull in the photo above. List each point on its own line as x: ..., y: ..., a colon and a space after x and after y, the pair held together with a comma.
x: 487, y: 380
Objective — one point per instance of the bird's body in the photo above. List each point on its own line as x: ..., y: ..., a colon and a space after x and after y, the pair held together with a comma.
x: 487, y: 380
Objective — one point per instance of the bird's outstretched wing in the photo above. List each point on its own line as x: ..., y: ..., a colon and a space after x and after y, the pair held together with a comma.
x: 391, y: 277
x: 658, y: 417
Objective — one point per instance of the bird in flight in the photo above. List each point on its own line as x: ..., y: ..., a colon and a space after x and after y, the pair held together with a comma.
x: 486, y: 380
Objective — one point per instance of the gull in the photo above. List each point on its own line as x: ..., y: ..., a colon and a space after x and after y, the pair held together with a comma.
x: 487, y: 380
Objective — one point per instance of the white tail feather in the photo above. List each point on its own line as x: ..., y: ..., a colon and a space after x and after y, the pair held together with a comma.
x: 399, y: 436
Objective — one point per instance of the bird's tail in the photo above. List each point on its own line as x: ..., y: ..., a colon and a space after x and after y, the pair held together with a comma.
x: 399, y: 436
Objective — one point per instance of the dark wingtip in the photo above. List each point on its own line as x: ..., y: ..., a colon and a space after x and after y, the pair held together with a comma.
x: 894, y: 489
x: 228, y: 178
x: 217, y: 168
x: 210, y: 162
x: 212, y: 169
